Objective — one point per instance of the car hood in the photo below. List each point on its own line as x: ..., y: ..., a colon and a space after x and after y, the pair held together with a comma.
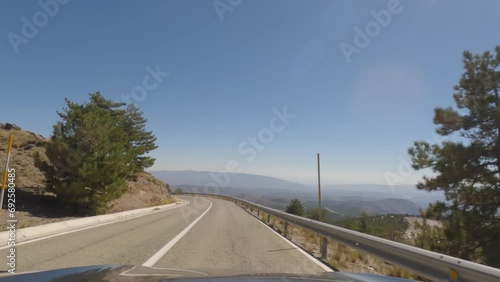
x: 119, y: 273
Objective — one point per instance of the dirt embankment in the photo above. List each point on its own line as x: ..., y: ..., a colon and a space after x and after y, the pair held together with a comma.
x: 35, y: 206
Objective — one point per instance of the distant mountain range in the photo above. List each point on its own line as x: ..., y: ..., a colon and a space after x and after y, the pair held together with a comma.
x: 238, y: 180
x: 275, y: 192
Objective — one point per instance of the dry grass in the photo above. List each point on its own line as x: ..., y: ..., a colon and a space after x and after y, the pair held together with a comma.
x: 345, y: 258
x: 337, y: 257
x: 311, y: 236
x: 363, y: 257
x: 170, y: 200
x: 263, y: 217
x: 21, y: 139
x: 397, y: 271
x: 25, y: 224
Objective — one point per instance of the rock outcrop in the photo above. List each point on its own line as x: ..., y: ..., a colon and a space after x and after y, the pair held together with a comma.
x: 11, y: 126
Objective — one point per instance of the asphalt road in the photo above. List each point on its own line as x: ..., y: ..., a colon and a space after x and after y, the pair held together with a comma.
x: 209, y: 235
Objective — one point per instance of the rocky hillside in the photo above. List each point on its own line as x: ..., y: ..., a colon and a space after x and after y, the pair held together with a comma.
x: 24, y: 146
x: 144, y: 190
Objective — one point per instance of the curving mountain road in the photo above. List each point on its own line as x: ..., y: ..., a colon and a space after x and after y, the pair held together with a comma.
x: 208, y: 235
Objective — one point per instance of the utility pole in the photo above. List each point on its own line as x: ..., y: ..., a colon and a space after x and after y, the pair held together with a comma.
x: 319, y: 191
x: 4, y: 178
x: 323, y: 243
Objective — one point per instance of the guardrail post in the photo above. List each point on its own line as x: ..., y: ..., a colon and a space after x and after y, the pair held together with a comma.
x: 268, y: 218
x: 258, y: 213
x: 251, y: 209
x: 324, y: 247
x: 285, y: 232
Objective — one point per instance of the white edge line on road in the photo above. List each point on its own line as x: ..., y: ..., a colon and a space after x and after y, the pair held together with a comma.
x: 156, y: 257
x: 93, y: 226
x: 313, y: 259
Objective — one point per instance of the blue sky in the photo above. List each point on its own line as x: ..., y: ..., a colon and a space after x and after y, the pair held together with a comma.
x: 229, y: 69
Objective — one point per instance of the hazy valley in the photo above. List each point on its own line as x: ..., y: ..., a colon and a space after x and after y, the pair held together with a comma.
x: 340, y: 200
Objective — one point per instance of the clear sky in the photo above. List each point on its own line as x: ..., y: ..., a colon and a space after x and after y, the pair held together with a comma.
x: 232, y: 64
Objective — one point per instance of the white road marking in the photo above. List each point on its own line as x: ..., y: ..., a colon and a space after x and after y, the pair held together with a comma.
x: 94, y: 226
x: 156, y: 257
x: 313, y: 259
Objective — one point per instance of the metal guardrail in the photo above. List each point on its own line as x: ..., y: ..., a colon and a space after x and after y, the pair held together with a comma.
x: 431, y: 265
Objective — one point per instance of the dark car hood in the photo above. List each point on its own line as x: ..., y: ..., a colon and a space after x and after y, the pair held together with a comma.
x: 125, y: 273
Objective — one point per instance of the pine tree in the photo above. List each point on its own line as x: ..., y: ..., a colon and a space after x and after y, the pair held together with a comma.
x: 89, y: 158
x: 467, y: 170
x: 295, y: 207
x: 363, y: 223
x: 141, y: 140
